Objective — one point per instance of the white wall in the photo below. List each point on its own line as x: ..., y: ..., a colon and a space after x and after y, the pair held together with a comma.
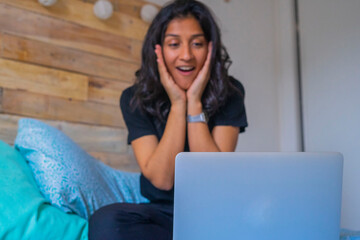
x: 287, y: 77
x: 259, y: 35
x: 248, y: 33
x: 258, y: 47
x: 330, y: 49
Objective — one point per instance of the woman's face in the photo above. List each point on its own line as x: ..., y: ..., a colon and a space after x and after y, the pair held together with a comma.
x: 185, y: 49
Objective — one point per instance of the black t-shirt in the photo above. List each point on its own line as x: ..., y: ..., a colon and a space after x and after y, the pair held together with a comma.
x: 140, y: 124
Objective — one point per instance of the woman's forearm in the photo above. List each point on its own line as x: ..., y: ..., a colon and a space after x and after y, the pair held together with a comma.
x: 159, y: 168
x: 199, y: 136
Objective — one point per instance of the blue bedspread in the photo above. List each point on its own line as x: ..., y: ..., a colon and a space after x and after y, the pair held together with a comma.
x: 349, y: 235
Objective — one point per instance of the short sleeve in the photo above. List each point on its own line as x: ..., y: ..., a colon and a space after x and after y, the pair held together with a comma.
x: 233, y: 113
x: 137, y: 123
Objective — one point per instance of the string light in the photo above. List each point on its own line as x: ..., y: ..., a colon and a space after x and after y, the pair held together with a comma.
x: 103, y: 9
x: 47, y: 3
x: 148, y: 12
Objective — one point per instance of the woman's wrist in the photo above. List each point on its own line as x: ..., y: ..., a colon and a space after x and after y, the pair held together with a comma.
x: 194, y: 107
x: 178, y: 107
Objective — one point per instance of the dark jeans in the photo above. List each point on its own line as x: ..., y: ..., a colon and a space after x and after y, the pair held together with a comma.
x: 125, y: 221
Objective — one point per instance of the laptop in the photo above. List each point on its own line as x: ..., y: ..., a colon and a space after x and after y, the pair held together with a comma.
x: 261, y: 196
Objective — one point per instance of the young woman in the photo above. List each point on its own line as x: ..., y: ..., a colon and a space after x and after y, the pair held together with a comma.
x: 182, y: 100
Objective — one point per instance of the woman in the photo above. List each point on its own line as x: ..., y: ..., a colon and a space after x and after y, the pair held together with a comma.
x: 182, y: 100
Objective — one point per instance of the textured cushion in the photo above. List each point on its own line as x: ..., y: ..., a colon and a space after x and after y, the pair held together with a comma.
x: 67, y: 176
x: 24, y: 213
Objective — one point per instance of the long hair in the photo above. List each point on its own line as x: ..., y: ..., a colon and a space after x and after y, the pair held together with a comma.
x: 150, y: 96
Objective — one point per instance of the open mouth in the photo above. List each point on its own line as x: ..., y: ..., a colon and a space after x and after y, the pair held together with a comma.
x: 185, y: 69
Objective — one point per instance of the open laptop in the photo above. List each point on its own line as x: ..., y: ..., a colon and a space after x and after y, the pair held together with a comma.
x: 261, y: 196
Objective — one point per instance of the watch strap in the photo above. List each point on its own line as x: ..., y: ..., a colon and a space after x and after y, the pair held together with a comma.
x: 197, y: 118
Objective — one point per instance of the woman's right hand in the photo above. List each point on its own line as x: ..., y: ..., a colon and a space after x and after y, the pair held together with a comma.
x: 175, y: 93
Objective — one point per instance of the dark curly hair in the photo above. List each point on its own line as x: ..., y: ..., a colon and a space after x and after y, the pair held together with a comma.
x: 150, y: 96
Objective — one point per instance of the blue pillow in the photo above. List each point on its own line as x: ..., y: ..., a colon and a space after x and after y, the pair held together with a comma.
x: 67, y: 176
x: 24, y: 213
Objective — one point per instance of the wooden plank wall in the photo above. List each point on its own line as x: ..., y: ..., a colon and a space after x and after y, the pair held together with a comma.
x: 64, y: 66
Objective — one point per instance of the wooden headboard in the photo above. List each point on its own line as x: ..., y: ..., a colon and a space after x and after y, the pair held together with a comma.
x: 68, y: 68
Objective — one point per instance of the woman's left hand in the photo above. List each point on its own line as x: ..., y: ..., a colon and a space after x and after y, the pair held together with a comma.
x: 175, y: 93
x: 194, y: 93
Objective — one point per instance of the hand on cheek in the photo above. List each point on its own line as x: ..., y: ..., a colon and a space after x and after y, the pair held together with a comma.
x: 197, y: 88
x: 175, y: 93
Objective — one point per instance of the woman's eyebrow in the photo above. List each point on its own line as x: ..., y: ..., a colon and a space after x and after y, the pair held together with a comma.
x: 192, y: 36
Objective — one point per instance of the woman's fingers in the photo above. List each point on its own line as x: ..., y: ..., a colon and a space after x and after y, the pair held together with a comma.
x: 165, y: 77
x: 208, y: 59
x: 205, y: 70
x: 204, y: 73
x: 160, y: 60
x: 173, y: 91
x: 201, y: 80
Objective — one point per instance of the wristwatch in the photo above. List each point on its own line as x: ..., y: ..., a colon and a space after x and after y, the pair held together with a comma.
x: 197, y: 118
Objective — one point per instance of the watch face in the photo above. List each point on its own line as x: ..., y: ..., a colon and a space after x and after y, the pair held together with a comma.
x: 202, y: 117
x: 206, y: 117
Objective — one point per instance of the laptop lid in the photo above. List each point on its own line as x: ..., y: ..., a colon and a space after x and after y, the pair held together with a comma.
x: 273, y: 196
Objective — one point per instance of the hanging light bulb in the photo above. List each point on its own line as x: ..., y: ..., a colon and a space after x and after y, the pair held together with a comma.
x: 47, y: 3
x: 103, y: 9
x: 148, y: 12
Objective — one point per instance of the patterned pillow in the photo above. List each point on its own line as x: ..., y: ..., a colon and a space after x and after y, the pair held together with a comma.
x: 24, y: 213
x: 67, y: 176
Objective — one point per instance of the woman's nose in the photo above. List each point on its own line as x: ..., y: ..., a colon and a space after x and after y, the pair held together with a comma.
x: 186, y: 53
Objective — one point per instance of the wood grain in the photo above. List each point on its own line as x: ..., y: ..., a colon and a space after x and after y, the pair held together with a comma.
x: 89, y: 137
x: 1, y: 97
x: 57, y: 31
x: 106, y: 91
x: 119, y: 161
x: 81, y: 13
x: 106, y: 144
x: 1, y: 43
x: 8, y: 128
x: 45, y: 107
x: 36, y: 79
x: 95, y: 138
x: 64, y: 66
x: 50, y: 55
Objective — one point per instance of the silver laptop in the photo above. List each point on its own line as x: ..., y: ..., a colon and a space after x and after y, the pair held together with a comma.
x: 261, y: 196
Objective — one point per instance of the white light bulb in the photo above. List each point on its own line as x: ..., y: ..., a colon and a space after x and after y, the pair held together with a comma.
x: 47, y: 3
x: 148, y: 12
x: 103, y: 9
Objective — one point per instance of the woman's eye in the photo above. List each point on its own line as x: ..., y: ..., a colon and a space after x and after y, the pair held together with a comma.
x: 173, y: 45
x: 198, y: 44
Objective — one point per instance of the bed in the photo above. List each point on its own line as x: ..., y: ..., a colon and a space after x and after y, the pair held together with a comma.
x: 50, y: 186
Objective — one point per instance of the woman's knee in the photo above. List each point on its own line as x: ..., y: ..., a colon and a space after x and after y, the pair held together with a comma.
x: 129, y: 221
x: 103, y: 224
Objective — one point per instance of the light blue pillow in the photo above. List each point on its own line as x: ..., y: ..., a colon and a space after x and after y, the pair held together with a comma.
x: 24, y: 213
x: 67, y: 176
